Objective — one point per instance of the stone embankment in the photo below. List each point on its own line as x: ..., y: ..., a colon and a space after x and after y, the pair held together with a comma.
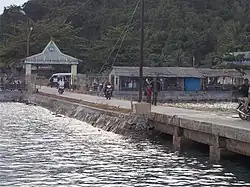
x: 110, y: 120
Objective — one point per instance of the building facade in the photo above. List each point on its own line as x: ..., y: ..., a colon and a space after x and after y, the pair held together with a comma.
x: 171, y: 78
x: 175, y: 78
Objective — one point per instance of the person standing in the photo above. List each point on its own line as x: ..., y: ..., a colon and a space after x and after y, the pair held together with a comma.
x: 156, y: 88
x: 149, y: 93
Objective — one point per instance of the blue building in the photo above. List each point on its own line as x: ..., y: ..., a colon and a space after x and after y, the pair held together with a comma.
x: 192, y: 84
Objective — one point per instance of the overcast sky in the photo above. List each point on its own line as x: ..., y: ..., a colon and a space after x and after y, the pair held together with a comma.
x: 4, y: 3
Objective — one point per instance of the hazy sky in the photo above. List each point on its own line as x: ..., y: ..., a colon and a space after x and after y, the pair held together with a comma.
x: 4, y: 3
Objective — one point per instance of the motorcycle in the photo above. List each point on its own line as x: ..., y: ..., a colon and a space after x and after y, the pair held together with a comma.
x: 244, y: 115
x: 108, y: 93
x: 60, y: 89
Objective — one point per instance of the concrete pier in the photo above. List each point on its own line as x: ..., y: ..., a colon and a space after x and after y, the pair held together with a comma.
x: 220, y: 132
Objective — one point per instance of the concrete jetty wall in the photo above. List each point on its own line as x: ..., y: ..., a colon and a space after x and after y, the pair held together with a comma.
x: 221, y: 138
x: 120, y: 123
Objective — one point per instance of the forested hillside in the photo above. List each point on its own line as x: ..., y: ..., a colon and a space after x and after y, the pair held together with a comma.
x: 175, y: 30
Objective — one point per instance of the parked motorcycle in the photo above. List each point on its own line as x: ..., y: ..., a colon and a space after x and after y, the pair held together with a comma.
x: 108, y: 93
x: 60, y: 89
x: 244, y: 115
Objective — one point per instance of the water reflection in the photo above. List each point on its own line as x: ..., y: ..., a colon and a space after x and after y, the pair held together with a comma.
x: 40, y: 149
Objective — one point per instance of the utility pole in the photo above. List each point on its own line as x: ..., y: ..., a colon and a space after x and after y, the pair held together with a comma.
x: 29, y: 30
x: 28, y: 41
x: 142, y: 52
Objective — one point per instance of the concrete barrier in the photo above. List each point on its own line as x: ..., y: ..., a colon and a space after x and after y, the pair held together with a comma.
x: 142, y: 108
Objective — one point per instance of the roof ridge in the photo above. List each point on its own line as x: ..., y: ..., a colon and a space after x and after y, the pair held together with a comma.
x: 51, y: 53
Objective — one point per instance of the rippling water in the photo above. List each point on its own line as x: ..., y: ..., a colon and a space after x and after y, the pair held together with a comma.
x: 40, y: 149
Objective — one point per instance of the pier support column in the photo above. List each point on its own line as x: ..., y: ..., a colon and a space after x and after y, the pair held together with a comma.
x: 217, y: 149
x: 178, y: 138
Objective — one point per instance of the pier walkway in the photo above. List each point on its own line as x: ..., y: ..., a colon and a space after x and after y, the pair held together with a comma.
x: 204, y: 116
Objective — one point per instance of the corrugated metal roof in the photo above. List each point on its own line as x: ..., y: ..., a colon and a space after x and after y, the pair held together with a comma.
x: 158, y: 71
x: 176, y: 72
x: 207, y: 72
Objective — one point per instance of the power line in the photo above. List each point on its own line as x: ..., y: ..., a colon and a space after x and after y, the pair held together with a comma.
x: 73, y: 12
x: 124, y: 31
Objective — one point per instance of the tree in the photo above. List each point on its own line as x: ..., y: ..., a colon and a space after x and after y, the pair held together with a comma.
x: 175, y: 31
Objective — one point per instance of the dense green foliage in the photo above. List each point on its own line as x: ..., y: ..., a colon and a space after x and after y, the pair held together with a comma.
x: 175, y: 31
